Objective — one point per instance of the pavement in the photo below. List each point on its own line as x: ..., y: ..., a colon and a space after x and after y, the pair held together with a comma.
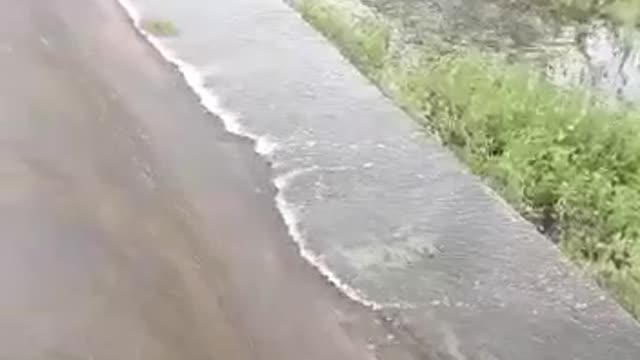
x: 135, y: 227
x: 385, y: 207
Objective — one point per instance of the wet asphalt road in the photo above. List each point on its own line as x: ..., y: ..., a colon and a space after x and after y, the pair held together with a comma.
x: 133, y: 226
x: 387, y: 209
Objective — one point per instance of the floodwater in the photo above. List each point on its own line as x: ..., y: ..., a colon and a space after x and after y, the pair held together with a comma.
x: 384, y: 212
x: 593, y: 55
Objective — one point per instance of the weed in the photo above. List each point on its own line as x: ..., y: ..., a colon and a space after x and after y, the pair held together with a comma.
x: 625, y: 12
x: 162, y: 28
x: 364, y: 39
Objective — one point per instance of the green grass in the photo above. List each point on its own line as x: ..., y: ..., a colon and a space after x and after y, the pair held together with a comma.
x: 566, y: 163
x: 363, y: 39
x: 163, y: 28
x: 620, y: 11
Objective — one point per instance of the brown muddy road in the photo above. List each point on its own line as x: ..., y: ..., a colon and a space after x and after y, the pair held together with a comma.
x: 133, y: 226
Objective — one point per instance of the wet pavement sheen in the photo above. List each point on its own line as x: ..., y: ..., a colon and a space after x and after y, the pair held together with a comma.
x: 387, y: 210
x: 133, y: 226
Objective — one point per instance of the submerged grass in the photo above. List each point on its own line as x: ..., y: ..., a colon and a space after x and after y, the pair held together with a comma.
x: 158, y: 27
x: 565, y: 162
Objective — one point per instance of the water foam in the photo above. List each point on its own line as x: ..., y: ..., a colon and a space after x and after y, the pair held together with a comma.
x: 263, y: 146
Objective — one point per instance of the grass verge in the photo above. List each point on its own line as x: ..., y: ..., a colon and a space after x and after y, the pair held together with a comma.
x: 565, y: 162
x: 625, y: 12
x: 162, y: 28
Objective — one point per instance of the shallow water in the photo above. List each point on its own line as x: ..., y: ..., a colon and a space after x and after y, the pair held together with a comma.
x: 595, y: 55
x: 385, y: 213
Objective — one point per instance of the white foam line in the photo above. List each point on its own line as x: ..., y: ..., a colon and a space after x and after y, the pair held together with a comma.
x: 289, y: 216
x: 262, y: 146
x: 190, y: 73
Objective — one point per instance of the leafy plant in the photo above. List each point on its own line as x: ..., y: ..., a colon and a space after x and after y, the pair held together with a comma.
x: 158, y: 27
x: 621, y: 11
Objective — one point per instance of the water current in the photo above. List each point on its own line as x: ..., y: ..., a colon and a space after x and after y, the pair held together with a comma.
x: 383, y: 211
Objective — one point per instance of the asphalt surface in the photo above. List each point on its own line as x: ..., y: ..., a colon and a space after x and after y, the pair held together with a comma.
x: 133, y: 226
x: 382, y: 205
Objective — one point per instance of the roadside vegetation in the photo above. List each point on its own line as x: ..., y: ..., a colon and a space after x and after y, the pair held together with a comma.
x: 162, y: 28
x: 566, y: 162
x: 621, y: 11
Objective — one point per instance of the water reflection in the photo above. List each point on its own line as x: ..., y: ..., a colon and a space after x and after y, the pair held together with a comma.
x: 595, y: 55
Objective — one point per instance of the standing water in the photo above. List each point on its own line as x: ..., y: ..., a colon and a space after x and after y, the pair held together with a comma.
x: 594, y: 55
x: 385, y: 213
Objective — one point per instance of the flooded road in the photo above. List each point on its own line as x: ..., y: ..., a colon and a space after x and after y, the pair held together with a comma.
x: 133, y: 226
x: 136, y: 226
x: 383, y: 212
